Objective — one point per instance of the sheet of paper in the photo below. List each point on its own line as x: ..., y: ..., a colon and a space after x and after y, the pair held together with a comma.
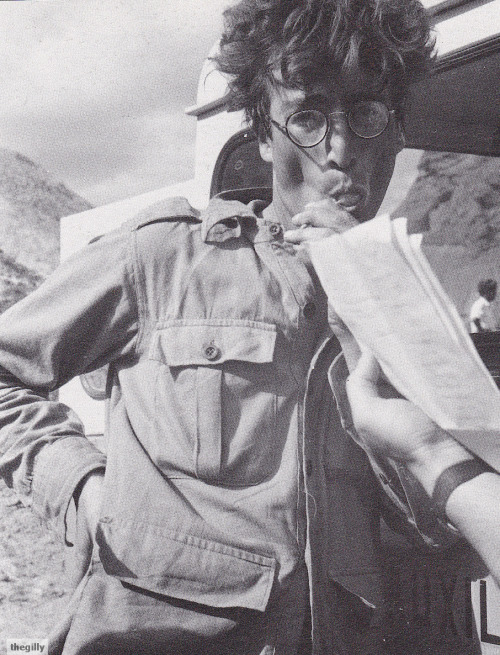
x: 379, y: 282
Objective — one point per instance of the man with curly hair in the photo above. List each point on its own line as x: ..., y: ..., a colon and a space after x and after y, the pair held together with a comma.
x: 233, y: 513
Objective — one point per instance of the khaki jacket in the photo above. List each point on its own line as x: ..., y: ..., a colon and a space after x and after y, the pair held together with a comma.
x: 228, y: 466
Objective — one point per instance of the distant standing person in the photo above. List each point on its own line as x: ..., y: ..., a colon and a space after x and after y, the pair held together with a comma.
x: 482, y: 317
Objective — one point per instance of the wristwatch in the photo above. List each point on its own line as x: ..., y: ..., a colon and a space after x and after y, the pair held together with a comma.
x: 453, y: 477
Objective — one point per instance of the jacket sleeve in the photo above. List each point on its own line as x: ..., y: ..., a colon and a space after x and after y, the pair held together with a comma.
x: 83, y: 316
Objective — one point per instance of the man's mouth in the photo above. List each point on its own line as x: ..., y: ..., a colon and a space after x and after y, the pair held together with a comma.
x: 350, y: 199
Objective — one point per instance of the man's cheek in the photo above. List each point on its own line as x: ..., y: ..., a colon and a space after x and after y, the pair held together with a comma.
x: 289, y: 171
x: 383, y: 164
x: 381, y: 174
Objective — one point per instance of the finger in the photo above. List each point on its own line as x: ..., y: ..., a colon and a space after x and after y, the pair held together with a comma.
x: 350, y: 346
x: 325, y: 213
x: 323, y: 218
x: 336, y: 323
x: 362, y: 382
x: 307, y: 233
x: 305, y: 218
x: 316, y: 213
x: 326, y: 205
x: 337, y: 222
x: 313, y: 217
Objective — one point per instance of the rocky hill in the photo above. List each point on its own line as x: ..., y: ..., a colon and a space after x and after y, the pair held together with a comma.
x: 32, y: 587
x: 31, y: 204
x: 456, y: 200
x: 16, y: 281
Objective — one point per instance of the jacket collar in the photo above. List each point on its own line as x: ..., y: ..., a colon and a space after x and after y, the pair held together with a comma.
x: 232, y: 212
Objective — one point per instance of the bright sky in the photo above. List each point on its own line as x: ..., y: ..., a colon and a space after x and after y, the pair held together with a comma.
x: 95, y: 91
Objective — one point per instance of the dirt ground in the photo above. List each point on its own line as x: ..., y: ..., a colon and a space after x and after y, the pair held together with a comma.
x: 32, y: 580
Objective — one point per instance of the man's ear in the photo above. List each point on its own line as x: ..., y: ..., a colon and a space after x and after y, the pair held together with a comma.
x: 265, y: 149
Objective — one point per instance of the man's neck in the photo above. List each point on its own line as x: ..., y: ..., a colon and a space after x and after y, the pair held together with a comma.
x: 276, y: 212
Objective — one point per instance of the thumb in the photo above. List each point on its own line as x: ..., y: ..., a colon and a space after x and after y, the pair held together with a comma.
x: 350, y: 346
x: 362, y: 382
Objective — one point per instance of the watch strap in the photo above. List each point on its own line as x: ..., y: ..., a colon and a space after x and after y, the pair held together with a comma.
x: 453, y: 477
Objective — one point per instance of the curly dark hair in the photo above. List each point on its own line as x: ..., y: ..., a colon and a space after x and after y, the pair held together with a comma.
x: 485, y: 287
x: 304, y: 40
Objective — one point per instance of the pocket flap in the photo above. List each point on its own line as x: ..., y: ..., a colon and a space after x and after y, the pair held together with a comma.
x: 186, y: 567
x: 203, y: 343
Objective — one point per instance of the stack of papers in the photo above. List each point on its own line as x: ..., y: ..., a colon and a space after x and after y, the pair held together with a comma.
x: 381, y: 285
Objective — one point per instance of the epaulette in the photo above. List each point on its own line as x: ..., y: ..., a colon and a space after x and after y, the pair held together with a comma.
x: 167, y: 210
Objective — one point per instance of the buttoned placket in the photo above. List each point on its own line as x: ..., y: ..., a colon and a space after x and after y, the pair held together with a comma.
x: 305, y: 305
x: 311, y: 317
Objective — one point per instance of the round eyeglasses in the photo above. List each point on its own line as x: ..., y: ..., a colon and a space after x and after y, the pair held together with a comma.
x: 306, y: 128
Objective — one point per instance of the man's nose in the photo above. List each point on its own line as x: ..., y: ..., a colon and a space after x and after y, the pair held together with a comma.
x: 341, y: 143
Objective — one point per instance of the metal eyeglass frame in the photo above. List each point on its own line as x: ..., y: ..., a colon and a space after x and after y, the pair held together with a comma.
x: 284, y: 128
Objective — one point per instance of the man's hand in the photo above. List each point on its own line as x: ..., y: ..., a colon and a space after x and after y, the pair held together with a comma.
x: 390, y: 426
x: 397, y: 428
x: 320, y: 220
x: 88, y: 503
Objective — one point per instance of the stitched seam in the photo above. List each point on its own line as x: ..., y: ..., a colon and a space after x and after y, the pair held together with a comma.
x: 137, y: 285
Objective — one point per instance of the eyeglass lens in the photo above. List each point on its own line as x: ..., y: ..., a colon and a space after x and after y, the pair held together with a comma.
x: 367, y: 119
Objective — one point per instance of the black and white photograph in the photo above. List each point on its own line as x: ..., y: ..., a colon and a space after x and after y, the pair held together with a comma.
x: 250, y: 327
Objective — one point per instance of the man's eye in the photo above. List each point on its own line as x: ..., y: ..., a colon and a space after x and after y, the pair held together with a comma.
x: 308, y: 120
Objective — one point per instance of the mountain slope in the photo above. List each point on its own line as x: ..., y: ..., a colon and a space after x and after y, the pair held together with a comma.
x: 16, y: 281
x: 455, y: 199
x: 32, y: 583
x: 31, y: 204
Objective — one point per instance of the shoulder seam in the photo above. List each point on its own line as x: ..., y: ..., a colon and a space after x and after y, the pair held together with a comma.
x: 168, y: 219
x: 167, y: 210
x: 135, y: 283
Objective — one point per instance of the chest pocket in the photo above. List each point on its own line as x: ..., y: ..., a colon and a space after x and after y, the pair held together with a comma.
x: 219, y: 380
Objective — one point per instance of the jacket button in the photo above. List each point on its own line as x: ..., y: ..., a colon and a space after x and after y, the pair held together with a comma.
x: 309, y: 310
x: 275, y: 229
x: 309, y: 468
x: 211, y: 352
